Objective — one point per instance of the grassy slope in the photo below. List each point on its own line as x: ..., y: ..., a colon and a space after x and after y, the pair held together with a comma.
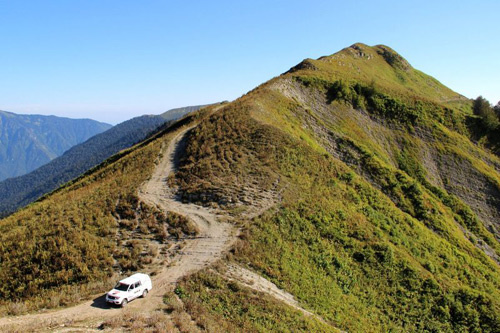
x: 68, y: 238
x: 389, y: 70
x: 369, y: 248
x: 64, y: 247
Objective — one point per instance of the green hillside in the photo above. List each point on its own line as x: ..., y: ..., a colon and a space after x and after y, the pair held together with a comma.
x: 73, y: 242
x: 387, y: 217
x: 383, y: 211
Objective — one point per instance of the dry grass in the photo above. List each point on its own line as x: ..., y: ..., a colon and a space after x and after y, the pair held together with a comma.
x: 130, y: 322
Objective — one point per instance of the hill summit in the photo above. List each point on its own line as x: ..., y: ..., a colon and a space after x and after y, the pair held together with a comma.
x: 381, y: 65
x: 345, y: 194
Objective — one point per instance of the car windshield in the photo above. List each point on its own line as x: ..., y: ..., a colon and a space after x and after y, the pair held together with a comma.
x: 121, y: 286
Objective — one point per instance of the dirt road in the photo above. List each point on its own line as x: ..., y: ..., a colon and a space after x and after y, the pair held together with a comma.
x: 214, y: 238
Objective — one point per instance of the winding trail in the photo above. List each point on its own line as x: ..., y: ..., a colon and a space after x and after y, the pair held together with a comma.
x: 215, y: 236
x: 214, y: 239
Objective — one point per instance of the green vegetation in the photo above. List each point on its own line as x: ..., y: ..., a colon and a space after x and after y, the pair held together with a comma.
x: 20, y: 191
x: 483, y: 109
x: 366, y: 235
x: 384, y: 217
x: 349, y: 254
x: 64, y: 247
x: 496, y: 108
x: 486, y: 127
x: 369, y: 98
x: 365, y: 64
x: 29, y: 141
x: 218, y: 305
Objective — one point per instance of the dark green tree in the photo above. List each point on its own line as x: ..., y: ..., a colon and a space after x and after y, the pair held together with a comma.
x: 483, y: 109
x: 496, y: 108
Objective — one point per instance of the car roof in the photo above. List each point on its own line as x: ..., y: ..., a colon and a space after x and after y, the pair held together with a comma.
x: 133, y: 278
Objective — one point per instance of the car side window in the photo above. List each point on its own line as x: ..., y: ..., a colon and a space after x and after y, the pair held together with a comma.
x: 132, y: 286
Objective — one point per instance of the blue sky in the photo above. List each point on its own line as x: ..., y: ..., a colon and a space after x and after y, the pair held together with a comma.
x: 114, y: 60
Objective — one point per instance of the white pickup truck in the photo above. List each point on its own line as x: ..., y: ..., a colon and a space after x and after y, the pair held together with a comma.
x: 137, y: 285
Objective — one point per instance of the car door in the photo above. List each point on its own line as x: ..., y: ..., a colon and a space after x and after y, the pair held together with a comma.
x: 139, y: 288
x: 136, y: 291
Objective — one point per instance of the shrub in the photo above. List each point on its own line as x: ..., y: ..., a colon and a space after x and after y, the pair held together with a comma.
x: 483, y: 109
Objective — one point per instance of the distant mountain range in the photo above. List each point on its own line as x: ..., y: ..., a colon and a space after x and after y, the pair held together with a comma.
x: 30, y: 141
x: 22, y: 190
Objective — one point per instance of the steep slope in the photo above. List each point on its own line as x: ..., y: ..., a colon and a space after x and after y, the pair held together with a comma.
x: 214, y: 237
x: 29, y: 141
x: 387, y: 211
x: 344, y: 177
x: 20, y: 191
x: 76, y: 233
x: 422, y: 132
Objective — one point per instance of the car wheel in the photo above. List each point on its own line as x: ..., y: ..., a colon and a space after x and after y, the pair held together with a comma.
x: 144, y: 293
x: 124, y: 303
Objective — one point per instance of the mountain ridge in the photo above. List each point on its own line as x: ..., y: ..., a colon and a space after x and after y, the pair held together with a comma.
x: 377, y: 139
x: 29, y: 141
x: 355, y: 170
x: 20, y: 191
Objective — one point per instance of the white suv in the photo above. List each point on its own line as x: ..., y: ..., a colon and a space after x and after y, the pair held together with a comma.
x: 137, y: 285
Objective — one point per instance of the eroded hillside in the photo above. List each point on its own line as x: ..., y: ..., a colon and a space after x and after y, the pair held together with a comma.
x: 386, y: 213
x: 360, y: 199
